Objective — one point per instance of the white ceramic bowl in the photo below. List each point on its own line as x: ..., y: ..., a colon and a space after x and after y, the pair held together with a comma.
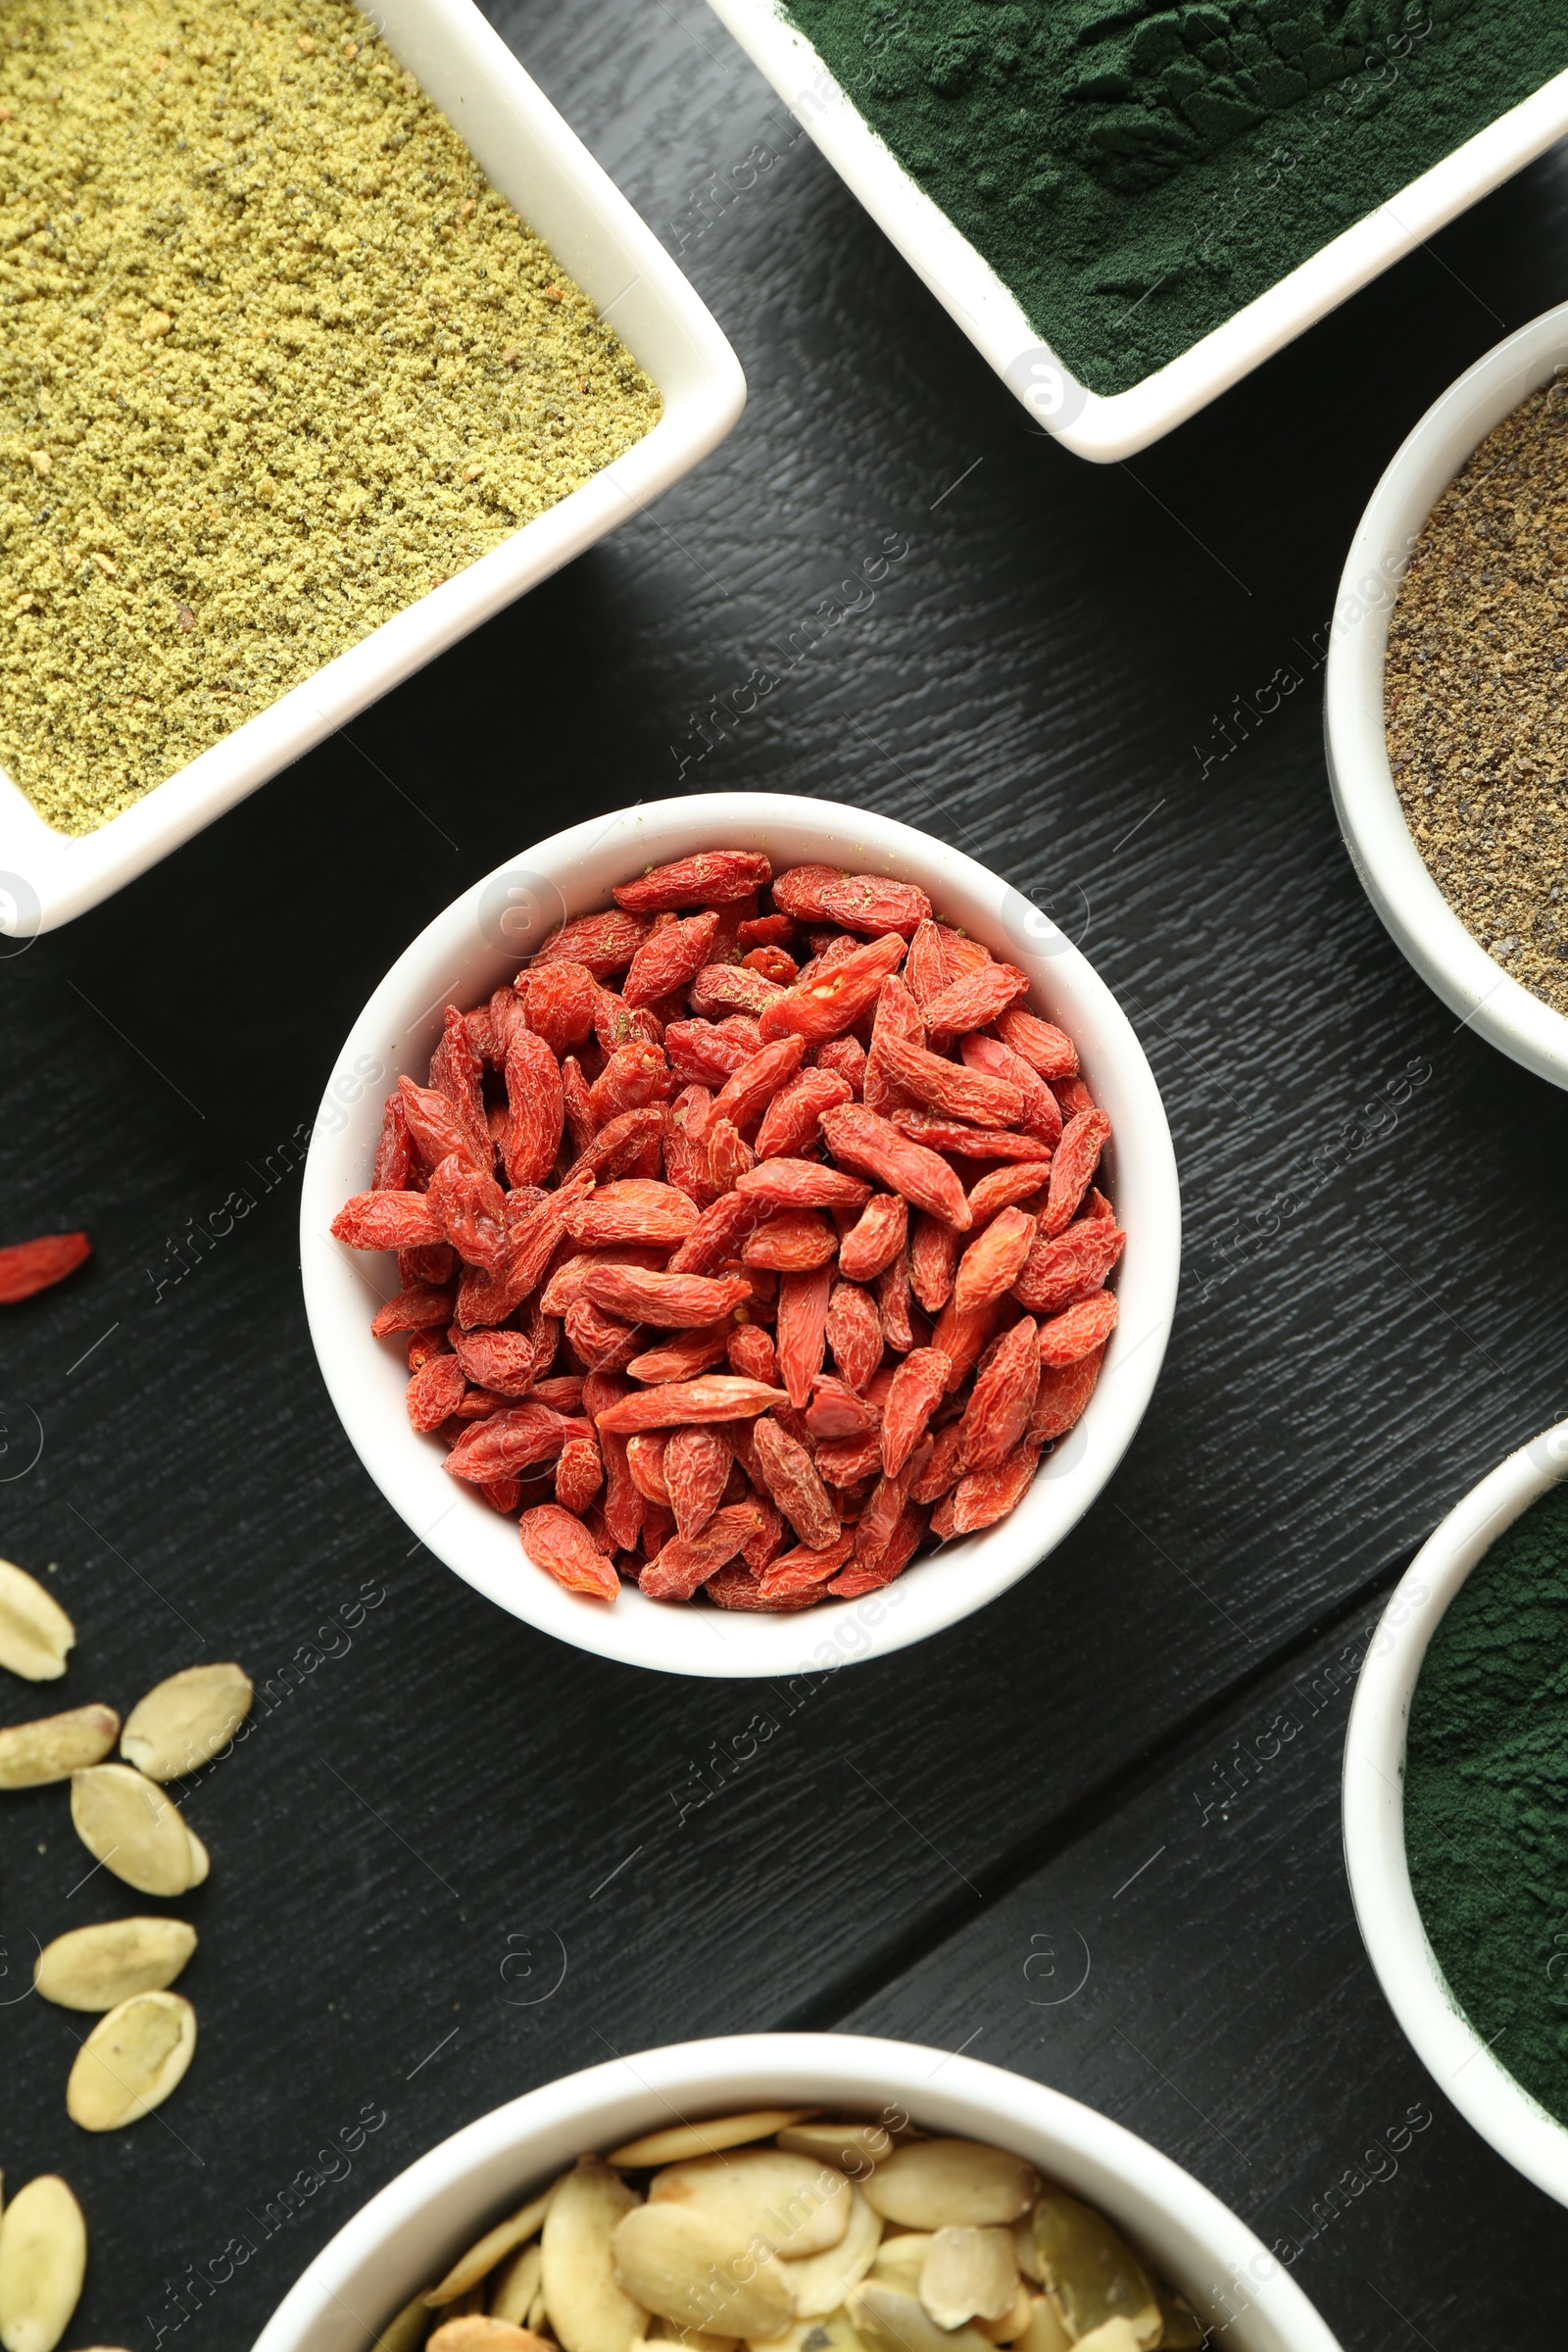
x: 552, y: 180
x: 1393, y: 871
x: 476, y: 945
x: 1096, y: 426
x: 1501, y: 2110
x: 409, y: 2234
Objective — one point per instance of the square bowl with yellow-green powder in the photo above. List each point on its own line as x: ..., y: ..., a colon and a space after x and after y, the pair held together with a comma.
x: 321, y: 340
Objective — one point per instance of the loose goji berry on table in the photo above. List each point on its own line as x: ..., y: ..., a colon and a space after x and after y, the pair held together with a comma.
x: 674, y: 1206
x: 27, y: 1267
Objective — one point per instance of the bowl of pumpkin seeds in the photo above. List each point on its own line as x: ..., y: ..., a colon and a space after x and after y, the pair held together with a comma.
x: 794, y: 2192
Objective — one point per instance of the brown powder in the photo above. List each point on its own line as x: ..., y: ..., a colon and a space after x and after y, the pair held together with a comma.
x: 274, y: 360
x: 1476, y: 693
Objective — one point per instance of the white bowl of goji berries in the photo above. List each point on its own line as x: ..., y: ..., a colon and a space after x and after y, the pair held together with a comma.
x: 750, y: 1194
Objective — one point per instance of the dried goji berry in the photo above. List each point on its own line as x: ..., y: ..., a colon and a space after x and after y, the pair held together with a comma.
x: 752, y: 1353
x: 671, y: 956
x: 791, y: 1478
x: 720, y: 989
x: 837, y: 1410
x: 1079, y: 1329
x: 801, y: 1331
x: 1077, y: 1155
x: 715, y: 1396
x: 993, y: 1259
x: 369, y: 1221
x: 790, y: 1121
x: 687, y: 1562
x: 508, y: 1443
x: 798, y: 891
x: 617, y: 1023
x: 766, y: 931
x: 1072, y: 1096
x: 623, y: 1506
x: 945, y: 1468
x: 645, y: 1460
x: 880, y: 1515
x: 846, y: 1058
x: 792, y: 1242
x: 863, y: 1139
x: 579, y: 1474
x: 717, y: 1233
x: 456, y: 1071
x: 893, y: 1302
x: 558, y: 1001
x: 394, y: 1149
x: 1039, y: 1111
x: 919, y: 1386
x: 632, y: 1076
x: 1063, y: 1396
x: 927, y: 967
x: 437, y: 1131
x: 471, y: 1208
x: 960, y: 1337
x: 976, y: 997
x: 896, y: 1021
x: 685, y: 1144
x: 557, y: 1540
x: 536, y: 1109
x: 935, y: 1133
x: 875, y: 904
x: 872, y: 1243
x: 1003, y: 1397
x: 729, y: 1156
x: 504, y: 1362
x: 605, y: 943
x: 983, y: 1496
x: 672, y: 1301
x: 632, y: 1143
x: 435, y: 1392
x: 684, y: 1356
x: 1058, y: 1272
x: 853, y: 1331
x: 1047, y: 1049
x: 707, y: 879
x: 1006, y: 1187
x: 706, y: 1052
x: 631, y: 1209
x: 533, y: 1229
x: 744, y: 1096
x: 562, y: 1389
x: 773, y: 964
x: 27, y: 1267
x: 696, y: 1466
x: 604, y: 1342
x: 824, y: 1003
x: 420, y: 1304
x: 933, y: 1257
x: 804, y: 1184
x: 576, y: 1099
x: 509, y: 1014
x: 845, y: 1461
x: 890, y: 1561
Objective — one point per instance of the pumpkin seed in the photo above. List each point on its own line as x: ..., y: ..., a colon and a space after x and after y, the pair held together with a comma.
x: 408, y: 2332
x: 587, y: 2308
x: 1045, y: 2332
x: 852, y: 2147
x: 43, y: 2254
x: 900, y: 2259
x: 98, y: 1967
x: 665, y: 2331
x: 473, y: 2332
x: 891, y: 2320
x: 128, y: 1825
x: 1013, y: 2321
x: 515, y: 2288
x: 1091, y: 2273
x: 678, y: 2261
x: 481, y: 2258
x: 35, y: 1633
x: 201, y: 1861
x: 970, y: 2275
x: 130, y: 2061
x: 1024, y: 2250
x: 183, y: 1723
x: 797, y: 2204
x: 1181, y: 2329
x: 820, y: 2281
x: 706, y: 2139
x: 936, y: 2184
x: 55, y: 1746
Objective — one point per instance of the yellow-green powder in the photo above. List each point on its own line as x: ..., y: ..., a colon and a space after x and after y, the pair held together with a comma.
x: 274, y: 360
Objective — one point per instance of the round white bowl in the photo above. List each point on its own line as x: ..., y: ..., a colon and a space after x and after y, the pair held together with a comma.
x: 1391, y: 870
x: 477, y: 943
x: 1501, y: 2110
x: 408, y: 2234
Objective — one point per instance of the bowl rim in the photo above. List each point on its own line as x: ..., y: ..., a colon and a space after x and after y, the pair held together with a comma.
x: 1392, y: 870
x: 707, y: 1641
x: 1372, y: 1805
x: 1106, y: 428
x: 48, y: 877
x: 476, y: 2171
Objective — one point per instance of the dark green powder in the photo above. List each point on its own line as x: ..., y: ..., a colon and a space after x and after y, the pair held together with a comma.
x: 1486, y: 1799
x: 1136, y: 174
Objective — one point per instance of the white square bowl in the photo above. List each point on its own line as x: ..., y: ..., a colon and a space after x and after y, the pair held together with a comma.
x: 548, y: 176
x: 1108, y: 427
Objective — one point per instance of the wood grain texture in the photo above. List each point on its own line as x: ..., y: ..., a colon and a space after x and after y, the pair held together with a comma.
x: 437, y: 1804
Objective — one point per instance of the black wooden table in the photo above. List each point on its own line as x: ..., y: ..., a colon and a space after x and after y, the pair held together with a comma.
x: 1373, y: 1311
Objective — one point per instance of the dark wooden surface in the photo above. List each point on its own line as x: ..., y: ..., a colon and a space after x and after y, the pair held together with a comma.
x: 415, y: 1844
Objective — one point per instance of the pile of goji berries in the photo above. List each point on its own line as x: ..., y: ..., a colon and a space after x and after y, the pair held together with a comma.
x: 748, y: 1239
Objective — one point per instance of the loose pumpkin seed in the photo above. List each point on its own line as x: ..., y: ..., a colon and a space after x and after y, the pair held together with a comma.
x: 128, y: 1824
x: 797, y: 2204
x: 891, y: 2320
x: 201, y: 1861
x: 43, y: 2254
x: 99, y: 1967
x: 676, y: 2260
x: 36, y: 1633
x: 820, y: 2281
x: 1045, y: 2332
x: 477, y: 2333
x: 55, y: 1746
x: 682, y: 2140
x: 970, y: 2275
x: 481, y: 2258
x: 183, y: 1723
x: 852, y: 2147
x: 587, y: 2308
x: 1091, y: 2273
x: 130, y: 2061
x: 408, y: 2332
x: 936, y: 2184
x: 900, y: 2259
x: 515, y: 2286
x: 1013, y: 2321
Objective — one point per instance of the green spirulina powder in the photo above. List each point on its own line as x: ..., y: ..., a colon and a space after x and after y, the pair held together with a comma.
x: 1486, y: 1799
x: 1136, y: 173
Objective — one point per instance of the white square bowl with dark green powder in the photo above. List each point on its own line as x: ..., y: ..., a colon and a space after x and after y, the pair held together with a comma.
x: 1135, y: 244
x: 532, y: 159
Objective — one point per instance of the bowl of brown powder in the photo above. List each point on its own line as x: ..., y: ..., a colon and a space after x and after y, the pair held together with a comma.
x: 1446, y: 709
x: 324, y: 338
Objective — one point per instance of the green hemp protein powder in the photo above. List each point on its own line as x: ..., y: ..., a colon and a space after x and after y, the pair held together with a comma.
x: 1137, y: 172
x: 276, y: 360
x: 1486, y: 1799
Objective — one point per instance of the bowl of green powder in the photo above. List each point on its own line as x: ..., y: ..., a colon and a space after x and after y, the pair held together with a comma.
x: 324, y: 339
x: 1127, y: 208
x: 1455, y: 1807
x: 1445, y: 697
